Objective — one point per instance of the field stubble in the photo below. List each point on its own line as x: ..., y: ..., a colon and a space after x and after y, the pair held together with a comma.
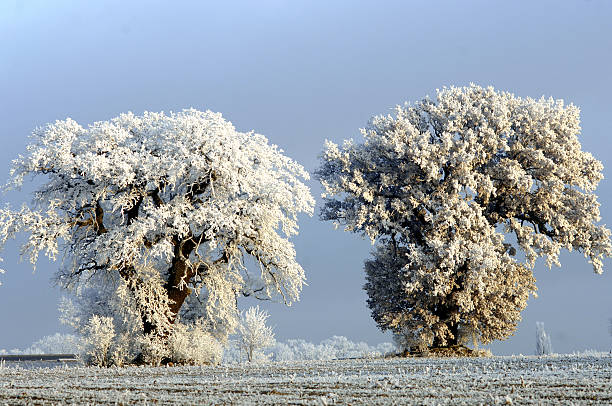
x: 567, y: 379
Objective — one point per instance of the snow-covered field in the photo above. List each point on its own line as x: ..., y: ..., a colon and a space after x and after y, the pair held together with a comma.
x: 564, y: 379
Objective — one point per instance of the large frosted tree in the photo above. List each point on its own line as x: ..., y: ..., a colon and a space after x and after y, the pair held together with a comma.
x: 461, y: 195
x: 153, y: 215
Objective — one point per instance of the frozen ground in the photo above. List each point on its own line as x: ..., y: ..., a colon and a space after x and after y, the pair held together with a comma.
x: 558, y: 380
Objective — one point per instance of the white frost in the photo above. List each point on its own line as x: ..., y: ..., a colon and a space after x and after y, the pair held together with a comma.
x: 449, y: 190
x: 139, y: 206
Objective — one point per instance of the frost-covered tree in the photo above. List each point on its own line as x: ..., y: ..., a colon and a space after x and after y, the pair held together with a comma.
x: 157, y: 212
x: 450, y: 190
x: 254, y: 334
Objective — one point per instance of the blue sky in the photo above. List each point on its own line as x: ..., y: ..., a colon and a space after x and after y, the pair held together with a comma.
x: 301, y: 72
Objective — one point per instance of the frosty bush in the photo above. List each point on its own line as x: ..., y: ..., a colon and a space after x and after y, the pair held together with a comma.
x: 191, y: 341
x: 440, y: 186
x: 194, y: 345
x: 254, y: 335
x: 97, y: 341
x: 155, y: 210
x: 103, y: 297
x: 543, y: 344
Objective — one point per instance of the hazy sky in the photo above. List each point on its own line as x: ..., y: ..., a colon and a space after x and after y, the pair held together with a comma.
x: 301, y: 72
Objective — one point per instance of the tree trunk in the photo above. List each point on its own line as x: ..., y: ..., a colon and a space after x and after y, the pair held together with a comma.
x: 450, y: 342
x: 180, y: 274
x: 446, y: 309
x: 444, y: 313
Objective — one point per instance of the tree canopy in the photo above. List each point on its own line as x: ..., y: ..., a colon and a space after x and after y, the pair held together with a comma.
x: 449, y: 190
x: 162, y: 208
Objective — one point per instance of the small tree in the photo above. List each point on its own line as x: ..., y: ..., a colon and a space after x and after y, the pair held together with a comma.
x: 543, y: 344
x: 151, y: 211
x: 254, y: 335
x: 449, y: 190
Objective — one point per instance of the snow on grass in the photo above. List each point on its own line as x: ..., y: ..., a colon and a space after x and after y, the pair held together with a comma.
x: 559, y: 379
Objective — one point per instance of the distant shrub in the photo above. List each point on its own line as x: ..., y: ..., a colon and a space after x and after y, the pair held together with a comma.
x: 336, y: 347
x: 57, y: 343
x: 543, y: 345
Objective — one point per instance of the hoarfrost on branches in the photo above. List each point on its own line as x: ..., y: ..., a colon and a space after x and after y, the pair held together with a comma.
x: 157, y: 213
x: 449, y: 190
